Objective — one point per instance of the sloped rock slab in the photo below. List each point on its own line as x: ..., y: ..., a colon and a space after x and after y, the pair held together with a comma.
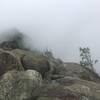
x: 15, y: 85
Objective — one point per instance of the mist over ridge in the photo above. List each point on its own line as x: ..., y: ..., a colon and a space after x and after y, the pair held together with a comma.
x: 61, y: 26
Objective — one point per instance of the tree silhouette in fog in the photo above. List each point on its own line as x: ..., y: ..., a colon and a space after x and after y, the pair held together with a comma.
x: 86, y: 59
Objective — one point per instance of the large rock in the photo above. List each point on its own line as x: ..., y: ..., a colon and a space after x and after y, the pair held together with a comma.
x: 74, y: 70
x: 39, y: 64
x: 85, y: 88
x: 8, y: 61
x: 55, y: 91
x: 70, y: 88
x: 16, y: 85
x: 33, y: 60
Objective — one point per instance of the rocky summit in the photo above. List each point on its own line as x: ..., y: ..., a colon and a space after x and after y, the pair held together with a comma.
x: 33, y: 75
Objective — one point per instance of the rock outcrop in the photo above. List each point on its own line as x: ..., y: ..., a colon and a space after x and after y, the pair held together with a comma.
x: 8, y: 61
x: 32, y: 75
x: 39, y: 64
x: 19, y: 85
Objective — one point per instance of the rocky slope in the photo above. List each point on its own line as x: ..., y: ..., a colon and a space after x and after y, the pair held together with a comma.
x: 33, y: 75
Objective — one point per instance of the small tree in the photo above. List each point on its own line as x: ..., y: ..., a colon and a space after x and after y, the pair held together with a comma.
x: 86, y: 59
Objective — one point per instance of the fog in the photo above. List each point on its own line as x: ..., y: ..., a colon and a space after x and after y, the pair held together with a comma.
x: 61, y: 26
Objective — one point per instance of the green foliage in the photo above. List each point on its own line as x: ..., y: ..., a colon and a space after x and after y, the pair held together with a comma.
x: 86, y: 59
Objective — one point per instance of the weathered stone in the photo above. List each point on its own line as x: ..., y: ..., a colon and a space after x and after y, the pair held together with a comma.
x: 9, y: 61
x: 79, y: 86
x: 15, y: 85
x: 39, y: 64
x: 58, y: 92
x: 75, y: 70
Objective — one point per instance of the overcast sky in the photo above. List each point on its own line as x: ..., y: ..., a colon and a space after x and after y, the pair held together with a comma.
x: 59, y: 25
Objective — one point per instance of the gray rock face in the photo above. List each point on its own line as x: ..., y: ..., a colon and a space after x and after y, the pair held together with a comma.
x: 8, y: 61
x: 19, y: 85
x: 55, y: 91
x: 39, y: 64
x: 70, y: 88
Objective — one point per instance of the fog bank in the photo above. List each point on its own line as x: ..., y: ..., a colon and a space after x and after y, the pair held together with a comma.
x: 59, y: 25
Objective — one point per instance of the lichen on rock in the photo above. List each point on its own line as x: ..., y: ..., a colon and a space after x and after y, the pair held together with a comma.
x: 19, y: 85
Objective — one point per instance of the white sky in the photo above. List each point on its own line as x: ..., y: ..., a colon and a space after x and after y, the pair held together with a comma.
x: 59, y: 25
